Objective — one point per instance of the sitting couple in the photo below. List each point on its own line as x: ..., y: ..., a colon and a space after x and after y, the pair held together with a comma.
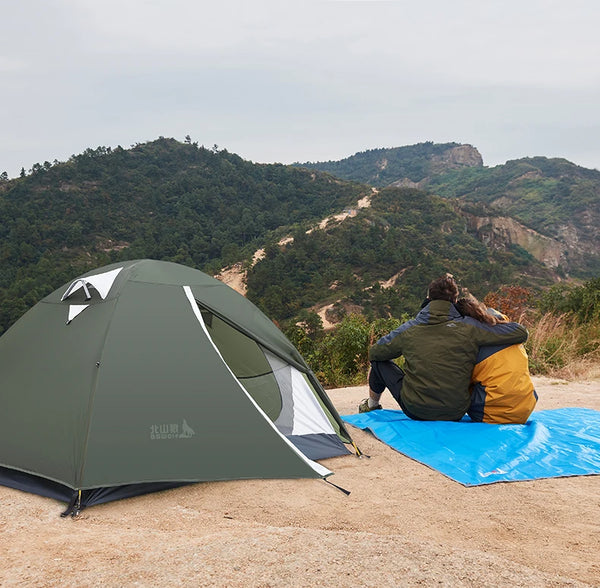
x: 459, y: 358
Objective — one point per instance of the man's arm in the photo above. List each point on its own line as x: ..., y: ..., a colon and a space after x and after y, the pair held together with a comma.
x: 499, y: 334
x: 390, y: 346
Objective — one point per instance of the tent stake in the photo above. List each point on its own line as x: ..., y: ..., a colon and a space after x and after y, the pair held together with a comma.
x: 74, y: 506
x: 359, y: 453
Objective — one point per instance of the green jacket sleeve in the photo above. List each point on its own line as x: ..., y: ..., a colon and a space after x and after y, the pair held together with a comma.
x: 383, y: 352
x: 500, y: 334
x: 390, y: 346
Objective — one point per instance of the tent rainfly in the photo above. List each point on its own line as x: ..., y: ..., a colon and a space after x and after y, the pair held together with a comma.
x: 146, y: 375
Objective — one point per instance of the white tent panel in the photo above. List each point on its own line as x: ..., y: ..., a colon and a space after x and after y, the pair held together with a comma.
x: 75, y: 310
x: 102, y: 282
x: 309, y: 417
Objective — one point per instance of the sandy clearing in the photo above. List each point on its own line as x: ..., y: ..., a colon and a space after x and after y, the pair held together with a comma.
x: 403, y: 525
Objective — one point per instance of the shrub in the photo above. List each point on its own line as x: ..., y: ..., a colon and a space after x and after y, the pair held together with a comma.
x: 342, y: 357
x: 582, y: 301
x: 513, y: 301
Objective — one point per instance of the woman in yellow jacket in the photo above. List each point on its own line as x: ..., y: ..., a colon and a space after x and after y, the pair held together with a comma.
x: 501, y: 388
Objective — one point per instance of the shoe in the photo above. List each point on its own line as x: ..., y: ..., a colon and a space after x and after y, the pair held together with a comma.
x: 364, y: 406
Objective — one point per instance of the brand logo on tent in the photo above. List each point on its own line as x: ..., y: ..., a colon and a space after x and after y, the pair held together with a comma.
x: 171, y: 431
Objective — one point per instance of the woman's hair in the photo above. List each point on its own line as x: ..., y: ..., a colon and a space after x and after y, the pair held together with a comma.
x: 444, y: 288
x: 470, y: 306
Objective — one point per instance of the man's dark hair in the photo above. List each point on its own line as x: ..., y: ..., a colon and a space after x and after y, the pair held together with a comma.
x: 444, y: 288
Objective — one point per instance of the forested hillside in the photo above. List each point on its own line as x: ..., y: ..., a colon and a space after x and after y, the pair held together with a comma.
x: 413, y: 163
x: 163, y: 200
x: 554, y: 198
x: 380, y: 261
x: 528, y: 222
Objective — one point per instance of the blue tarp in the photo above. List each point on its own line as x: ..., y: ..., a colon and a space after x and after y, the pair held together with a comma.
x: 553, y: 443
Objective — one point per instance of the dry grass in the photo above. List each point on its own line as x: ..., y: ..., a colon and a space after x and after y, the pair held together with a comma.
x: 560, y: 347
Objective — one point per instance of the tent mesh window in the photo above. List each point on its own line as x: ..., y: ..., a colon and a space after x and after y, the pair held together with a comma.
x: 247, y: 361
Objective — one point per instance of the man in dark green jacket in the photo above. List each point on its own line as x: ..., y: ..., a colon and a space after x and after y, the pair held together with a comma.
x: 440, y: 348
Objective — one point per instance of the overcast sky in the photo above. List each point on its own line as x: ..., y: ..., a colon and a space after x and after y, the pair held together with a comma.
x: 282, y: 81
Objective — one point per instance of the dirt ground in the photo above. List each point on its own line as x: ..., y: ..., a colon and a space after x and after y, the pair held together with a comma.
x: 402, y: 525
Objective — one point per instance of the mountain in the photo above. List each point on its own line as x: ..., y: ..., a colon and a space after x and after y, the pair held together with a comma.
x: 379, y: 259
x: 304, y: 238
x: 553, y: 198
x: 549, y: 207
x: 164, y: 200
x: 401, y: 166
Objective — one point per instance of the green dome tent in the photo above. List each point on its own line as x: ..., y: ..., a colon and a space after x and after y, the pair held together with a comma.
x: 146, y: 375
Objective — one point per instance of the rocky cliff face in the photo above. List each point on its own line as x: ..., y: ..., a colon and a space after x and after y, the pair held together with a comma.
x: 577, y: 238
x: 500, y: 232
x: 456, y: 158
